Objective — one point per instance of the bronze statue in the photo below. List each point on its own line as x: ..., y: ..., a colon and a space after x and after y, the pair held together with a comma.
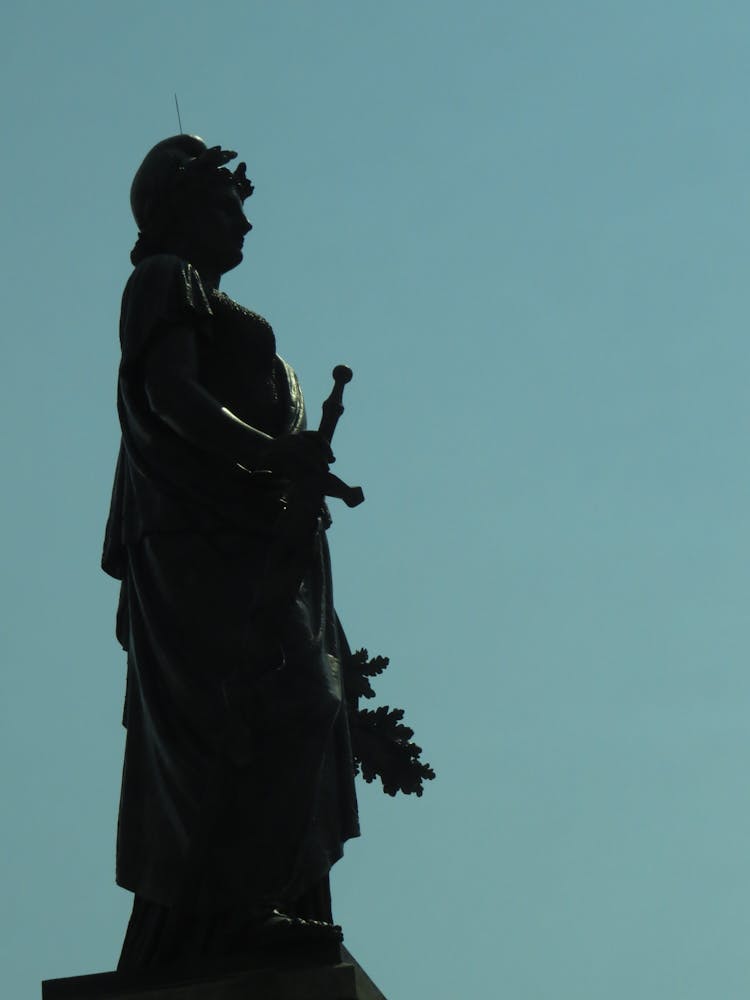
x: 238, y: 780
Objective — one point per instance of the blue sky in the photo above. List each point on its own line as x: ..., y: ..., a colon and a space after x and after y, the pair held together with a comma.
x: 524, y: 225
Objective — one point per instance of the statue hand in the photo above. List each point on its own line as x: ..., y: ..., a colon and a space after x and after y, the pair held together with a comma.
x: 297, y: 456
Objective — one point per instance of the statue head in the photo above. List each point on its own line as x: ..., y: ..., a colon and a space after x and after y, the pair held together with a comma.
x: 186, y: 201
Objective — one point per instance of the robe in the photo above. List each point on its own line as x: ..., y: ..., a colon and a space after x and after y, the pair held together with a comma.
x: 238, y: 782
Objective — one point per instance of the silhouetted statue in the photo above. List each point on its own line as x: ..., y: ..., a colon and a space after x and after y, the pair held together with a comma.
x: 238, y: 780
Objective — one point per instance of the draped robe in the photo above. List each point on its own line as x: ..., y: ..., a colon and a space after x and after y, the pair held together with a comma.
x: 203, y: 827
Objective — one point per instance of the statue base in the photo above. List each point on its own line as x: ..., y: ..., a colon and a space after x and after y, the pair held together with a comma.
x: 334, y: 976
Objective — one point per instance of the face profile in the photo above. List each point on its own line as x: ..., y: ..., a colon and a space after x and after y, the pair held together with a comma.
x: 213, y: 230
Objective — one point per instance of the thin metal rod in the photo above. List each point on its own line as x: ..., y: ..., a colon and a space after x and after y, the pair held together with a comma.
x: 179, y: 120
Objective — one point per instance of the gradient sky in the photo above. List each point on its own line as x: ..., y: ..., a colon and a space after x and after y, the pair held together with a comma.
x: 525, y: 226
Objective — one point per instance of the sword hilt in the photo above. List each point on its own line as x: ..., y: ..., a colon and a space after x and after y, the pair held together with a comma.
x: 333, y: 407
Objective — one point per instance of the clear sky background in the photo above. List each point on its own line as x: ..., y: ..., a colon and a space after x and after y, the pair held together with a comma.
x: 524, y: 224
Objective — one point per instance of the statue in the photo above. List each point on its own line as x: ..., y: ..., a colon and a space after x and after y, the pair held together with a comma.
x: 244, y: 731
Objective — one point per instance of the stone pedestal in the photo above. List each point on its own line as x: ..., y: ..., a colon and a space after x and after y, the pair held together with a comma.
x: 338, y: 977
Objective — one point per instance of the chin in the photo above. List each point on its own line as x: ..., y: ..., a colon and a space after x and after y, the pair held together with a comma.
x: 232, y: 262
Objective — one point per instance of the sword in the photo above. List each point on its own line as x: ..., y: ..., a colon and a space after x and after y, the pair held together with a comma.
x: 332, y: 408
x: 290, y: 550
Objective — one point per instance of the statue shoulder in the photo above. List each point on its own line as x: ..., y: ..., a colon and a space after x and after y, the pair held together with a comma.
x: 163, y: 291
x: 166, y: 271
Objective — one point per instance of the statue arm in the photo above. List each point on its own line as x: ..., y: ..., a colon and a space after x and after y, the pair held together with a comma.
x: 176, y: 395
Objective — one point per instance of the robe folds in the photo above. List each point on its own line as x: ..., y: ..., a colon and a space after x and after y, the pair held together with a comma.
x: 238, y: 784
